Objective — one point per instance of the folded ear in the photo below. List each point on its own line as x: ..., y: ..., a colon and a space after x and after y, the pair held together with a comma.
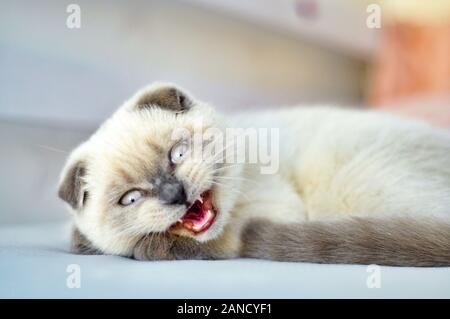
x: 72, y: 188
x: 165, y: 96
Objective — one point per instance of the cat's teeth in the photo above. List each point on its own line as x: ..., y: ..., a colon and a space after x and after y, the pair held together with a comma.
x: 180, y: 221
x: 200, y: 200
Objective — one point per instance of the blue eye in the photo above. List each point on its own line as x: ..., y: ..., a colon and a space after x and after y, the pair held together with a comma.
x: 130, y: 197
x: 178, y: 152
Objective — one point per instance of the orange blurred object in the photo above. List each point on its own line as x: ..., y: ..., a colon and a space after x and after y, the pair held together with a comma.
x: 413, y: 60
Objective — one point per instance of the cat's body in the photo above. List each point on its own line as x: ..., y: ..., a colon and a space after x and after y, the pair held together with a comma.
x: 352, y: 186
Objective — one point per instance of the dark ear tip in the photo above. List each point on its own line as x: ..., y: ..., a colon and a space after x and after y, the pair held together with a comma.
x: 166, y: 97
x: 71, y: 187
x: 184, y: 100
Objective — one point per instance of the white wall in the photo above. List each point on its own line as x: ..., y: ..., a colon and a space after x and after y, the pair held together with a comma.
x: 338, y: 25
x: 57, y: 84
x: 51, y: 72
x: 30, y: 162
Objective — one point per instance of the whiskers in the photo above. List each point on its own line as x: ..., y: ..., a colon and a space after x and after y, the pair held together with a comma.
x: 52, y: 149
x: 229, y: 188
x: 222, y: 155
x: 238, y: 178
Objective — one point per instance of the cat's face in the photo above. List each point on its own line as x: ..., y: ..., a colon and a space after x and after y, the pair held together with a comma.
x: 139, y: 173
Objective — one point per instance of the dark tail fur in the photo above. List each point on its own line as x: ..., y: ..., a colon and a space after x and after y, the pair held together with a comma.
x: 396, y: 242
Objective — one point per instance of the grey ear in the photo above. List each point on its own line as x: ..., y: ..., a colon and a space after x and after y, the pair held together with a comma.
x: 81, y: 245
x: 168, y: 97
x: 71, y: 189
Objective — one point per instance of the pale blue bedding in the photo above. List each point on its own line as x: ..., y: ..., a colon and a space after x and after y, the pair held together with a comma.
x: 34, y: 261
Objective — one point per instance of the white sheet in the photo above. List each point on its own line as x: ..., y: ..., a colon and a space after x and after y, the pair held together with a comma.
x: 34, y: 260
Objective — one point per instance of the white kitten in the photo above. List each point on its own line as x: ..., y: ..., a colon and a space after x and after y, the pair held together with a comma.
x: 352, y: 186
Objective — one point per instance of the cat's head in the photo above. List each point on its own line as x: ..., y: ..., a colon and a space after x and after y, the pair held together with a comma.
x: 139, y: 174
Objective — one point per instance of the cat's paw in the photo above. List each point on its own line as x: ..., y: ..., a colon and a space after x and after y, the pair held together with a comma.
x: 154, y: 247
x: 167, y: 246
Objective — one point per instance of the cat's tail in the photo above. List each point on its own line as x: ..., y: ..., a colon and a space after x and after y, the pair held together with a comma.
x: 399, y: 241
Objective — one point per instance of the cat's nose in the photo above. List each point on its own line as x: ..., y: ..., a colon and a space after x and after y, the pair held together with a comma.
x: 173, y: 193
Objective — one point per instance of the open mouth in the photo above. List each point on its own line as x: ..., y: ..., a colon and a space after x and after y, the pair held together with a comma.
x: 199, y: 216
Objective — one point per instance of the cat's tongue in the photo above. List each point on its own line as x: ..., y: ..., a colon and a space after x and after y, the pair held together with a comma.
x: 200, y: 216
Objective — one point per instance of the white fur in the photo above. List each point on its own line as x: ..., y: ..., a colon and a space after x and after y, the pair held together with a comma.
x: 333, y: 163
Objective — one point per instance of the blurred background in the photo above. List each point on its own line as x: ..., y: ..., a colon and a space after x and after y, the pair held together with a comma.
x: 58, y: 83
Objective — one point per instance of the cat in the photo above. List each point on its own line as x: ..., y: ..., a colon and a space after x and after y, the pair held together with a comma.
x: 352, y: 186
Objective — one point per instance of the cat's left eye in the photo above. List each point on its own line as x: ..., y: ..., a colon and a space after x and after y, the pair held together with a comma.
x: 130, y: 197
x: 178, y: 152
